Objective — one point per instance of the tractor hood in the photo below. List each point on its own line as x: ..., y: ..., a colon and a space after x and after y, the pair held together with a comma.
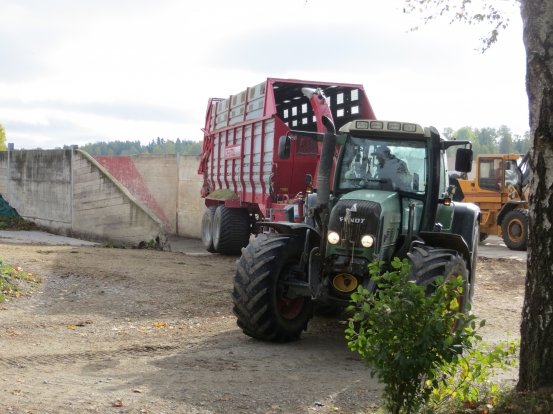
x: 365, y: 212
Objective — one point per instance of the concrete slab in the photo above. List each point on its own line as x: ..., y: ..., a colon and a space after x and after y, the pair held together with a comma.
x: 188, y: 245
x: 40, y: 237
x: 494, y: 248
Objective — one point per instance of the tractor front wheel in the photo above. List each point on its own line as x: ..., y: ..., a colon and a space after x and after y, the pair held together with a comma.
x: 261, y: 305
x: 429, y: 263
x: 514, y: 229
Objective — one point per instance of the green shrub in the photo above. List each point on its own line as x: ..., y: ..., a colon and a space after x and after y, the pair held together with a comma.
x: 406, y: 336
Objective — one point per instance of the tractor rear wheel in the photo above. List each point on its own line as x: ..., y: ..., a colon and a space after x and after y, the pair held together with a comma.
x: 260, y: 303
x: 514, y: 229
x: 429, y: 263
x: 207, y: 229
x: 231, y: 229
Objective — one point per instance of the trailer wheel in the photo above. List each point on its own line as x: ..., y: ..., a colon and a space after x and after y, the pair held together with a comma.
x: 260, y: 305
x: 514, y: 229
x: 428, y: 263
x: 231, y: 230
x: 207, y: 229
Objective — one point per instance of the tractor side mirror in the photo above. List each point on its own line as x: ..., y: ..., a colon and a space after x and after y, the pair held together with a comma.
x: 463, y: 160
x: 284, y: 147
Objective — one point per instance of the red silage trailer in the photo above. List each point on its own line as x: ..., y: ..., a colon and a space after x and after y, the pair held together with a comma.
x: 244, y: 180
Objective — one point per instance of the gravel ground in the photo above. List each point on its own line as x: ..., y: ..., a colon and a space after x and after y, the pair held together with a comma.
x: 131, y: 331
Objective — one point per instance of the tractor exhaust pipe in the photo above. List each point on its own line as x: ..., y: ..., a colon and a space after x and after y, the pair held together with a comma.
x: 326, y: 124
x: 325, y: 168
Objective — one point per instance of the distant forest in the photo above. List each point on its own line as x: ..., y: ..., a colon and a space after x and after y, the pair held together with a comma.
x: 490, y: 140
x: 157, y: 146
x: 484, y: 141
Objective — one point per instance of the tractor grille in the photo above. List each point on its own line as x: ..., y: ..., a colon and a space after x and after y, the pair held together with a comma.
x: 364, y: 220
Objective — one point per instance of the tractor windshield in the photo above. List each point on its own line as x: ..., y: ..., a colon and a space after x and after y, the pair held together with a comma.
x: 398, y: 165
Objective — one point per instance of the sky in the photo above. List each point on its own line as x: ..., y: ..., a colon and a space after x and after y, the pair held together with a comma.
x: 77, y: 72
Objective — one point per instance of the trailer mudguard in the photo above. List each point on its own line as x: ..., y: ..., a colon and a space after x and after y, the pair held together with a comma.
x: 299, y: 229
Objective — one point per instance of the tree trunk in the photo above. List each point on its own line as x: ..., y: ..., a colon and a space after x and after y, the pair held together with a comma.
x: 536, y: 352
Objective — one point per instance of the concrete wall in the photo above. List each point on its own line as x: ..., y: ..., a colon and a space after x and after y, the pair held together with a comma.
x: 67, y: 192
x: 4, y: 174
x: 190, y: 205
x: 152, y: 179
x: 169, y: 185
x: 116, y: 199
x: 105, y: 210
x: 40, y: 187
x: 160, y: 175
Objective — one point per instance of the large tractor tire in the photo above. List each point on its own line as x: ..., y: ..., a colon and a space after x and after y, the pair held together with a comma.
x: 429, y: 263
x: 231, y: 230
x: 207, y: 229
x: 514, y: 229
x: 259, y: 303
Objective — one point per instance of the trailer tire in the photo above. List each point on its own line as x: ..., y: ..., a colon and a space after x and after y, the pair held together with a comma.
x: 514, y: 229
x: 207, y: 229
x: 231, y: 230
x: 429, y: 263
x: 258, y: 305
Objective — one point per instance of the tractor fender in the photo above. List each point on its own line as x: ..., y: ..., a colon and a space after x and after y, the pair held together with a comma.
x: 507, y: 208
x: 299, y: 229
x: 462, y: 237
x: 465, y: 217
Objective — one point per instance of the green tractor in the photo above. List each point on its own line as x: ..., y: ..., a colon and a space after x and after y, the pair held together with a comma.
x: 390, y: 198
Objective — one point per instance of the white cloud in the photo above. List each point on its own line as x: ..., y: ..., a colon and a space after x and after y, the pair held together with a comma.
x: 138, y: 70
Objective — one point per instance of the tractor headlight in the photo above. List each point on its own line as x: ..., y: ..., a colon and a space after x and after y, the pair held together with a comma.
x: 367, y: 241
x: 333, y: 237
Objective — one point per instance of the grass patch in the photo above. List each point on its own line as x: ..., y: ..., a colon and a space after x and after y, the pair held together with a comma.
x: 16, y: 223
x: 16, y: 282
x: 513, y: 402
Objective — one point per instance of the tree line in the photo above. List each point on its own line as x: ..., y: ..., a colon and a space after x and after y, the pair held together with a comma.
x: 491, y: 140
x: 484, y: 141
x: 157, y: 146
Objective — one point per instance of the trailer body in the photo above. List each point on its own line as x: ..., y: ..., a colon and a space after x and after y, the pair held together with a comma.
x: 239, y: 160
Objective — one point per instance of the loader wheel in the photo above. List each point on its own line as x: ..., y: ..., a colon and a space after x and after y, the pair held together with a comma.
x: 231, y: 230
x: 514, y: 229
x: 260, y: 304
x: 428, y: 263
x: 207, y: 229
x: 483, y: 236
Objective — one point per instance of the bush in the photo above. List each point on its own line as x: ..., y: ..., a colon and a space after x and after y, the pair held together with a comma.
x: 406, y: 336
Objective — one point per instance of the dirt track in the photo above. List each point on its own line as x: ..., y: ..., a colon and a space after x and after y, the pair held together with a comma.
x: 156, y: 331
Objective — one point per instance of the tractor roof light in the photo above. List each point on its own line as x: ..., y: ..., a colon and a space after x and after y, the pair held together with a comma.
x: 377, y: 125
x: 409, y: 127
